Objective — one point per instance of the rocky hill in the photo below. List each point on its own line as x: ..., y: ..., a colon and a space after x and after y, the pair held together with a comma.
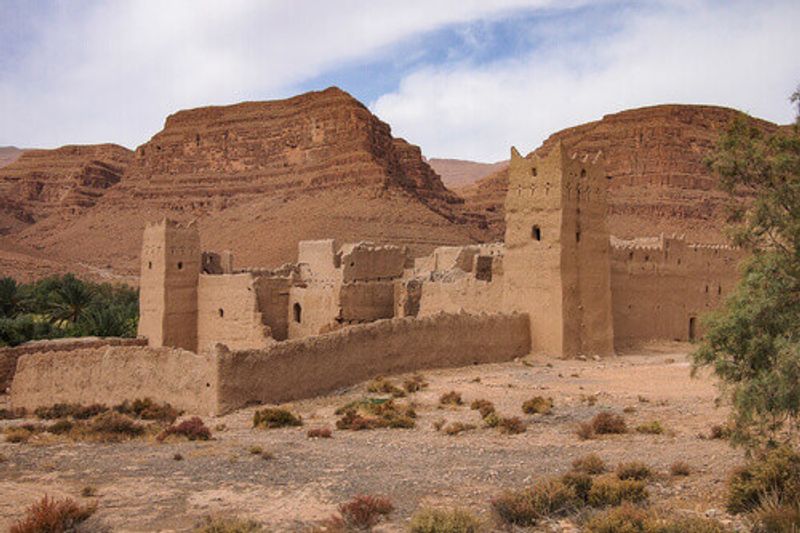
x: 458, y: 173
x: 258, y: 176
x: 9, y: 154
x: 655, y: 159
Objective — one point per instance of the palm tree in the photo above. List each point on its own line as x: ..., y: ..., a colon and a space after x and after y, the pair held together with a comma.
x: 106, y: 322
x: 70, y: 300
x: 9, y: 298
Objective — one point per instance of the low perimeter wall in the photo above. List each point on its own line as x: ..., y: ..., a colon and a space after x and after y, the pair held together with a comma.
x: 112, y: 374
x: 309, y: 367
x: 9, y: 356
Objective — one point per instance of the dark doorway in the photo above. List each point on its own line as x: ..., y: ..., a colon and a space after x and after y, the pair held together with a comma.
x: 692, y: 328
x: 297, y: 312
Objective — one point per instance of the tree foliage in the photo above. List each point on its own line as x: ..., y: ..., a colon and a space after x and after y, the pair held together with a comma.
x: 753, y: 342
x: 65, y: 306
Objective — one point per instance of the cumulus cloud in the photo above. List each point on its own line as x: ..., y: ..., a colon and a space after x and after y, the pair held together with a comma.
x: 737, y: 54
x: 111, y: 71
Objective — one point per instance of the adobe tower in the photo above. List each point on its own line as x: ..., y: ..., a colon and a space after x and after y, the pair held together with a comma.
x: 557, y: 262
x: 168, y: 285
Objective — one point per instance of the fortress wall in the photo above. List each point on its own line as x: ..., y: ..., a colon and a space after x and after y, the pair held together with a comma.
x: 227, y: 312
x: 367, y: 301
x: 661, y: 289
x: 312, y: 308
x: 112, y: 374
x: 368, y: 262
x: 466, y: 293
x: 9, y: 356
x: 320, y: 256
x: 273, y: 303
x: 307, y: 367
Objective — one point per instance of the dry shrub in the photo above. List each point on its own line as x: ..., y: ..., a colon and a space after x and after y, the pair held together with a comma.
x: 384, y: 386
x: 445, y: 521
x: 492, y: 420
x: 549, y: 497
x: 484, y: 407
x: 451, y: 398
x: 108, y: 427
x: 439, y: 424
x: 361, y: 513
x: 538, y: 405
x: 629, y: 409
x: 771, y: 516
x: 74, y: 410
x: 255, y: 450
x: 651, y: 428
x: 719, y: 431
x: 177, y: 457
x: 374, y: 414
x: 629, y: 518
x: 227, y: 524
x: 147, y: 409
x: 607, y: 423
x: 273, y: 417
x: 13, y: 414
x: 610, y: 490
x: 415, y: 383
x: 454, y: 428
x: 191, y: 429
x: 590, y: 464
x: 51, y: 515
x: 634, y: 470
x: 319, y: 433
x: 580, y: 482
x: 776, y: 474
x: 88, y: 492
x: 585, y: 431
x: 18, y: 435
x: 511, y: 426
x: 680, y: 468
x: 590, y: 400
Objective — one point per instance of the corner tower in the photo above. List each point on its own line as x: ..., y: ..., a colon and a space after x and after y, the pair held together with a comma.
x: 170, y: 272
x: 557, y: 264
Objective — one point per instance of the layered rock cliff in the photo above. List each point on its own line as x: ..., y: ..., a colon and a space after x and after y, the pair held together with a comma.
x: 655, y: 159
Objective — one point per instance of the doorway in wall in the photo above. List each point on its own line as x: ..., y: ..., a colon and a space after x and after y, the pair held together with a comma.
x: 692, y: 328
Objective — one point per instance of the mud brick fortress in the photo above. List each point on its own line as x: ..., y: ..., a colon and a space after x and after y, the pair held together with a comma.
x: 219, y: 338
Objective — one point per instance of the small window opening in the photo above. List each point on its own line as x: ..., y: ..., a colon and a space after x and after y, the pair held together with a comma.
x: 577, y: 236
x: 630, y: 256
x: 536, y: 233
x: 646, y: 258
x: 583, y: 172
x: 297, y: 311
x: 692, y: 328
x: 533, y: 171
x: 352, y: 264
x: 197, y: 139
x: 221, y: 312
x: 719, y: 289
x: 706, y: 289
x: 180, y: 265
x: 150, y: 265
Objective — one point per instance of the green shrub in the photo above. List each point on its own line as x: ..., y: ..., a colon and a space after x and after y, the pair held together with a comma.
x: 776, y: 473
x: 549, y: 497
x: 51, y: 515
x: 634, y: 470
x: 444, y: 521
x: 273, y: 417
x: 651, y: 428
x: 590, y: 464
x: 610, y: 490
x: 538, y: 405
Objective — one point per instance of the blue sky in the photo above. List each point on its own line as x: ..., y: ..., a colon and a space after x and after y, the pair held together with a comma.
x: 463, y: 79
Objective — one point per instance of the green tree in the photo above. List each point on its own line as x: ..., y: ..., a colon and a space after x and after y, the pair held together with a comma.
x: 9, y: 298
x: 70, y: 300
x: 753, y: 342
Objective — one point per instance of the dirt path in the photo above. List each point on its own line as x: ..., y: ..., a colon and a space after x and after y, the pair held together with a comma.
x: 141, y: 487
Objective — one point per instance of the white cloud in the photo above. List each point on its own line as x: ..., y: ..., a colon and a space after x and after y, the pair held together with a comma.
x: 737, y: 54
x: 113, y: 70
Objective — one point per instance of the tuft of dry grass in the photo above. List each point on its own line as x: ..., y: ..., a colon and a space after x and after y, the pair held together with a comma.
x: 511, y: 425
x: 191, y: 429
x: 636, y: 519
x: 445, y: 521
x: 484, y: 407
x: 538, y: 405
x: 255, y: 450
x: 382, y: 385
x: 451, y: 398
x: 13, y: 414
x: 147, y: 409
x: 653, y: 427
x: 51, y: 515
x: 590, y: 464
x: 361, y: 513
x: 454, y: 428
x: 375, y: 414
x: 88, y: 492
x: 415, y: 383
x: 274, y: 417
x: 585, y: 430
x: 634, y: 470
x: 607, y: 422
x: 720, y: 431
x: 680, y: 468
x: 547, y: 498
x: 177, y: 457
x: 227, y: 524
x: 610, y: 490
x: 108, y: 427
x: 319, y: 433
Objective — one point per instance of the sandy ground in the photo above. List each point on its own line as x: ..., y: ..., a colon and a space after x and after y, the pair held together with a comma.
x: 140, y: 487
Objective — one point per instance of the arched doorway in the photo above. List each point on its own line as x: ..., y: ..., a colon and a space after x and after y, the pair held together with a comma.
x: 297, y: 312
x: 692, y: 328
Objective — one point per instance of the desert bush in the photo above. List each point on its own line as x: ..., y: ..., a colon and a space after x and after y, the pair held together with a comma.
x: 634, y: 470
x: 549, y: 497
x: 451, y: 398
x: 607, y: 422
x: 629, y: 518
x: 773, y: 517
x: 610, y: 490
x: 492, y: 420
x: 191, y: 429
x: 651, y: 428
x: 580, y: 482
x: 454, y: 428
x: 444, y: 521
x: 680, y: 468
x: 385, y: 386
x: 484, y: 407
x: 255, y: 450
x: 147, y: 409
x: 108, y: 427
x: 374, y: 414
x: 64, y: 410
x: 511, y: 425
x: 17, y: 435
x: 273, y: 417
x: 88, y: 492
x: 61, y: 427
x: 177, y: 457
x: 227, y: 524
x: 538, y: 405
x: 363, y: 512
x: 590, y: 464
x: 415, y: 383
x: 629, y: 409
x: 51, y: 515
x: 585, y: 431
x: 319, y: 433
x: 777, y: 473
x: 719, y: 431
x: 13, y: 414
